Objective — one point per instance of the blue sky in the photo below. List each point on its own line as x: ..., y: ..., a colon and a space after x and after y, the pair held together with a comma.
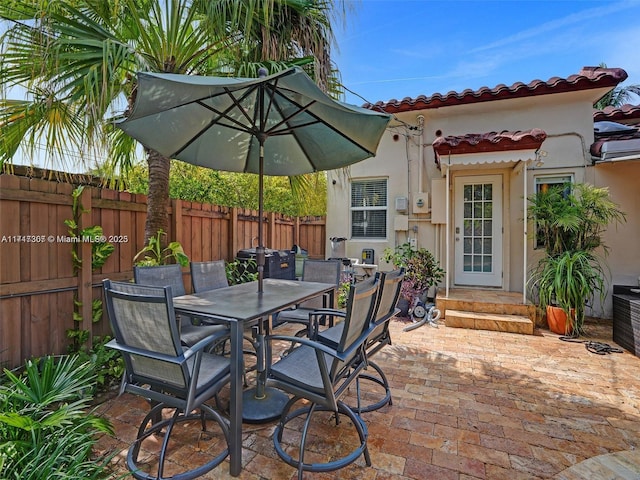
x: 404, y: 48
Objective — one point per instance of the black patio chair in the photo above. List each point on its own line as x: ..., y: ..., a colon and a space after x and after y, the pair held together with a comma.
x: 209, y: 275
x: 322, y: 375
x: 379, y: 336
x: 158, y: 367
x: 163, y: 275
x: 212, y: 275
x: 323, y: 271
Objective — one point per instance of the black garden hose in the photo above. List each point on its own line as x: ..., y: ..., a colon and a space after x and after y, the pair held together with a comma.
x: 599, y: 348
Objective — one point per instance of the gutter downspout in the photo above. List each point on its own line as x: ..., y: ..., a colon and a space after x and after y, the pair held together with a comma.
x: 448, y: 226
x: 524, y: 233
x: 420, y: 152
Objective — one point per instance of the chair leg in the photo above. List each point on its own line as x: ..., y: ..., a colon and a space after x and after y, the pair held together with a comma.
x: 299, y: 464
x: 303, y: 441
x: 380, y: 379
x: 145, y: 432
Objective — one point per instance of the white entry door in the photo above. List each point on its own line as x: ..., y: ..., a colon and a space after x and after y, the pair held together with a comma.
x: 478, y: 230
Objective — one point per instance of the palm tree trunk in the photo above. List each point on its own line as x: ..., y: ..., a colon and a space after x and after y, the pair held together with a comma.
x: 158, y: 198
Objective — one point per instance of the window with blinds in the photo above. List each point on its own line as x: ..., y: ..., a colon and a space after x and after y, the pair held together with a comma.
x: 369, y: 208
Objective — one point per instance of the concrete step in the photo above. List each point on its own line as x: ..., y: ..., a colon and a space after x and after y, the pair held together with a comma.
x: 486, y: 306
x: 489, y: 321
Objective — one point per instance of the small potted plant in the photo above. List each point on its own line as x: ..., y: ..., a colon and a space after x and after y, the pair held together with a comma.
x: 570, y: 221
x: 422, y: 271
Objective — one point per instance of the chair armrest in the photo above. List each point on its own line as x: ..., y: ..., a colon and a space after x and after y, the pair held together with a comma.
x: 305, y: 341
x: 144, y: 353
x: 204, y: 343
x: 320, y: 346
x: 329, y: 311
x: 186, y: 354
x: 315, y: 315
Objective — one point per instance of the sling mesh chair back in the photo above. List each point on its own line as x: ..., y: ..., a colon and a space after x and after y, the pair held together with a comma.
x: 322, y: 271
x: 321, y: 375
x: 379, y: 336
x: 158, y: 367
x: 212, y: 275
x: 208, y: 275
x: 171, y: 275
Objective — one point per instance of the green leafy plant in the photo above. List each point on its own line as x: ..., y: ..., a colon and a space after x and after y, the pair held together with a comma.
x: 573, y: 217
x: 154, y: 254
x: 422, y: 270
x: 343, y: 293
x: 570, y: 220
x: 101, y: 250
x: 46, y: 425
x: 107, y: 364
x: 241, y: 271
x: 570, y: 281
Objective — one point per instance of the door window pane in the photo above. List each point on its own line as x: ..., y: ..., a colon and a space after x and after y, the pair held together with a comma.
x: 478, y: 228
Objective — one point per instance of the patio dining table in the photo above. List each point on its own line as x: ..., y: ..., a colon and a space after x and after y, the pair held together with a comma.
x: 241, y: 305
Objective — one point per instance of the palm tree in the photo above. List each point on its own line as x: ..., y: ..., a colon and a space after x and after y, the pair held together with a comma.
x: 77, y: 63
x: 618, y: 96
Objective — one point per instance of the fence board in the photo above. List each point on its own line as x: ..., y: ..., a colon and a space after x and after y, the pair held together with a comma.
x: 37, y: 281
x: 107, y: 219
x: 10, y: 333
x: 9, y: 231
x: 126, y: 236
x: 38, y: 325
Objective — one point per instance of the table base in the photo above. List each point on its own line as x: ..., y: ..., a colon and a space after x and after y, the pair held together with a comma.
x: 265, y: 409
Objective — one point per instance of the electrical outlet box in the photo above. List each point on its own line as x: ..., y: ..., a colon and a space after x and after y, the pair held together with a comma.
x: 439, y: 199
x: 402, y: 204
x: 414, y: 243
x: 401, y: 223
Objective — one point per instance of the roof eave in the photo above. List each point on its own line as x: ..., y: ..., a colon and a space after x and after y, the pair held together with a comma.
x: 589, y: 78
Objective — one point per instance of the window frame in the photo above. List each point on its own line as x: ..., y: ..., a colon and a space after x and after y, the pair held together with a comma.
x: 374, y: 208
x: 549, y: 180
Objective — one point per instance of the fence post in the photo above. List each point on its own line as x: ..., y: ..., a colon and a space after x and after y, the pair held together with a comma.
x: 176, y: 206
x: 271, y: 220
x: 233, y: 232
x: 296, y: 231
x: 85, y: 290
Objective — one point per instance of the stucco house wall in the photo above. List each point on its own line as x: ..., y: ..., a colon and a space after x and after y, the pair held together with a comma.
x: 406, y: 158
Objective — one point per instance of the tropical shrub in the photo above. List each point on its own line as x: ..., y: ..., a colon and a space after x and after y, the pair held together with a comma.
x: 570, y: 221
x: 47, y: 428
x: 422, y: 270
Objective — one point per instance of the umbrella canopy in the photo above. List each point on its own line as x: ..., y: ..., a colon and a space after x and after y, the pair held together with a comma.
x: 281, y: 124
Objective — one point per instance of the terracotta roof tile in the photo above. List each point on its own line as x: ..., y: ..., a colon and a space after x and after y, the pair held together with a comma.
x: 625, y: 112
x: 588, y: 78
x: 490, y: 142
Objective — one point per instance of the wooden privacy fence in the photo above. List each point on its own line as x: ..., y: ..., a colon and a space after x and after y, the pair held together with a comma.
x: 38, y: 282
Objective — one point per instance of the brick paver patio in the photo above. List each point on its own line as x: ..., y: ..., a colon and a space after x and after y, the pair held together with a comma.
x: 467, y: 404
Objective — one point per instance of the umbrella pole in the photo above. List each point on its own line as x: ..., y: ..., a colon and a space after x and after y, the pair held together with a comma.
x: 260, y: 250
x: 262, y: 404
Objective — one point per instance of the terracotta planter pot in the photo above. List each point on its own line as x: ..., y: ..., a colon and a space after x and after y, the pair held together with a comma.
x: 558, y: 321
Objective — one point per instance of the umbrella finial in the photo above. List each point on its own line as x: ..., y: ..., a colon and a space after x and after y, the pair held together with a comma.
x: 262, y: 72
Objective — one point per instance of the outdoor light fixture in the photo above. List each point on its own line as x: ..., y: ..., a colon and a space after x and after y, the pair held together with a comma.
x: 540, y: 155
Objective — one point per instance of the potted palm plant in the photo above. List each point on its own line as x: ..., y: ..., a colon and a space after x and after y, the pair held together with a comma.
x: 570, y: 221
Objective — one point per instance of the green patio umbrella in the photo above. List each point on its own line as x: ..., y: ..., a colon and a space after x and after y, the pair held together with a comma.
x: 280, y: 124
